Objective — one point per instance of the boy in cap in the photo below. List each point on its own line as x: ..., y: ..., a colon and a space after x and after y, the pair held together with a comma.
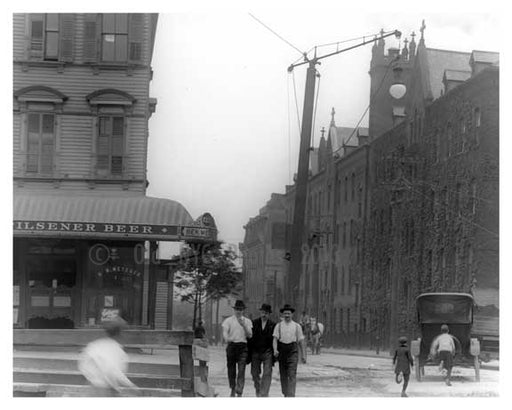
x: 403, y: 362
x: 261, y: 351
x: 236, y: 330
x: 104, y: 363
x: 444, y: 346
x: 288, y: 340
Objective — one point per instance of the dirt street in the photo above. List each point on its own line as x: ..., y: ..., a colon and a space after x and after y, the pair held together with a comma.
x: 334, y: 374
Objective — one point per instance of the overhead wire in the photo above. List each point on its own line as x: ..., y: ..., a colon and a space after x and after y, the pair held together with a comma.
x: 367, y: 108
x: 296, y: 101
x: 289, y: 134
x: 276, y: 34
x: 314, y: 112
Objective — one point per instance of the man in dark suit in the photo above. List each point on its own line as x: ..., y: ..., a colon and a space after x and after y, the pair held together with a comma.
x: 261, y: 351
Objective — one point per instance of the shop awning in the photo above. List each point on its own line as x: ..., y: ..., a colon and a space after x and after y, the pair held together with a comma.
x: 117, y: 217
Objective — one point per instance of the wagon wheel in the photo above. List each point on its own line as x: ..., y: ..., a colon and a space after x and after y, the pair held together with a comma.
x: 477, y: 368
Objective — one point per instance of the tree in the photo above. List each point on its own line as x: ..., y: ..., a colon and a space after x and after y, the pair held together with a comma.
x: 206, y: 272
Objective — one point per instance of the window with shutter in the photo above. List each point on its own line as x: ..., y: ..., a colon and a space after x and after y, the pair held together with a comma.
x: 110, y: 145
x: 51, y: 37
x: 40, y: 143
x: 136, y: 36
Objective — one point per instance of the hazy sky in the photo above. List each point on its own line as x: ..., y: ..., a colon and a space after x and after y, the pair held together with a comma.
x: 225, y: 133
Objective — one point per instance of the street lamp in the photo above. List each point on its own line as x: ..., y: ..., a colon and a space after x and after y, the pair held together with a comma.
x: 398, y: 88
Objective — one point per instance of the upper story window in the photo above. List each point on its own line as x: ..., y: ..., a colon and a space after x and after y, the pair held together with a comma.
x: 51, y: 36
x: 110, y: 146
x: 39, y: 107
x: 40, y: 143
x: 113, y: 37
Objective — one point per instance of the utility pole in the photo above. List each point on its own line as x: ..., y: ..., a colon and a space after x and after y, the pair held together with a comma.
x: 301, y: 185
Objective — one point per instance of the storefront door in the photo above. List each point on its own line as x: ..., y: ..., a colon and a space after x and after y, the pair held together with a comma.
x: 51, y: 274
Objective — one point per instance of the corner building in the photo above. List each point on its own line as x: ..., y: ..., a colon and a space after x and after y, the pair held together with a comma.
x: 85, y: 233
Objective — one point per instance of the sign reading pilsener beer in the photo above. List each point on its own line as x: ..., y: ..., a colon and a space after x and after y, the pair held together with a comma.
x: 95, y: 229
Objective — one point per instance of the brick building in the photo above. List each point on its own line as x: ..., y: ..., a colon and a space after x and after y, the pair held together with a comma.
x: 413, y: 206
x: 263, y: 252
x: 433, y: 217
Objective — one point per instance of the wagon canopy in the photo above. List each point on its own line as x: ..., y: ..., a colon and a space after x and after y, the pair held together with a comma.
x: 445, y: 308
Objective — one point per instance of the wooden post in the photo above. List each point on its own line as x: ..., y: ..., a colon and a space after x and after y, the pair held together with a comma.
x: 187, y: 368
x: 152, y: 284
x: 170, y: 296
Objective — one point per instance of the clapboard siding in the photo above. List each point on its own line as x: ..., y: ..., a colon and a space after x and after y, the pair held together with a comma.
x: 16, y: 129
x: 66, y: 185
x: 162, y: 290
x: 77, y: 82
x: 76, y: 79
x: 75, y: 154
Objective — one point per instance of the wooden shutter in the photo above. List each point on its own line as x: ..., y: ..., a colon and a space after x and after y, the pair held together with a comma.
x: 103, y: 142
x: 47, y: 143
x: 67, y: 33
x: 117, y: 145
x: 91, y: 38
x: 36, y: 35
x: 136, y: 37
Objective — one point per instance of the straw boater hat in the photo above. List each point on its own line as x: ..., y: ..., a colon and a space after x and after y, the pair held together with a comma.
x: 239, y: 304
x: 266, y: 308
x: 287, y: 307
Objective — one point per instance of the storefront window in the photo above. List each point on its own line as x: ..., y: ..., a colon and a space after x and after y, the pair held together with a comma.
x: 114, y: 281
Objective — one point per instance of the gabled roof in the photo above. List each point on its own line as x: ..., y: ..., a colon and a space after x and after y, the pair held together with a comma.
x: 342, y: 134
x: 440, y: 60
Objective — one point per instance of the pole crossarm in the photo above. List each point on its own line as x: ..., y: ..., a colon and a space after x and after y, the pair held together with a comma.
x: 315, y: 60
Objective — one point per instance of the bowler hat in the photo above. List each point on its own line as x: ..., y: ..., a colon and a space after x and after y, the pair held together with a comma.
x: 239, y: 304
x: 402, y: 339
x: 266, y: 308
x: 287, y: 307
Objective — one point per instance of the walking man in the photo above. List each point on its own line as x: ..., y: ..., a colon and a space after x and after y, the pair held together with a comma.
x: 262, y: 351
x: 236, y: 330
x: 444, y: 346
x: 288, y: 341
